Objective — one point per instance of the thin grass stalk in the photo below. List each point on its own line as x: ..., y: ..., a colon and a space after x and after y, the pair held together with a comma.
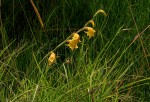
x: 0, y: 14
x: 37, y: 13
x: 144, y: 51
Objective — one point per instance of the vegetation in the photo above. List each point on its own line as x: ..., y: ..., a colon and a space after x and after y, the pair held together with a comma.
x: 48, y: 53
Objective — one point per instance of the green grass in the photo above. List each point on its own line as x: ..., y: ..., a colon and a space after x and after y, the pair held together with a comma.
x: 113, y: 66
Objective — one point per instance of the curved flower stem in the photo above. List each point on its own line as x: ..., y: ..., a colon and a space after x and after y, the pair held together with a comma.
x: 62, y: 43
x: 56, y: 48
x: 99, y: 11
x: 84, y: 28
x: 90, y: 22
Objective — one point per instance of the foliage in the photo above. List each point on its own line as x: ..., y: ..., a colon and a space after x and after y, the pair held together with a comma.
x: 110, y: 65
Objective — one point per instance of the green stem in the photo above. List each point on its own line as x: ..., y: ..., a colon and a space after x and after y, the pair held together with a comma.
x: 62, y: 43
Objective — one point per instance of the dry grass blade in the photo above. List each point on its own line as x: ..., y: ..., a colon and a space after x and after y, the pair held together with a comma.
x: 37, y: 13
x: 0, y: 15
x: 138, y: 35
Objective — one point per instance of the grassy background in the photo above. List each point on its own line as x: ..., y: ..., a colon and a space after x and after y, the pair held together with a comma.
x: 110, y: 67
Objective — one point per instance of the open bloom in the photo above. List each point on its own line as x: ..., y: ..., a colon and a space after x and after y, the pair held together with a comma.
x: 74, y: 41
x: 51, y: 58
x: 90, y: 31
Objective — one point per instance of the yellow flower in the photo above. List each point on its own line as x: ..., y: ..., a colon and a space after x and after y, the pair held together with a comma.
x: 74, y: 41
x: 51, y: 58
x: 90, y: 31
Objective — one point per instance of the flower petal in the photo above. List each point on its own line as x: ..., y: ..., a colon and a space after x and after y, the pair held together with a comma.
x: 51, y: 58
x: 74, y: 41
x: 90, y: 32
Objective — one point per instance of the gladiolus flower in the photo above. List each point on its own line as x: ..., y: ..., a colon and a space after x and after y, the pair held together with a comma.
x: 51, y: 58
x: 74, y: 41
x: 90, y: 31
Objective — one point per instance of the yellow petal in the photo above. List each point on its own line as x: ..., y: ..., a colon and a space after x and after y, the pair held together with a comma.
x: 74, y: 41
x: 90, y: 31
x: 76, y: 36
x: 73, y: 44
x: 51, y: 58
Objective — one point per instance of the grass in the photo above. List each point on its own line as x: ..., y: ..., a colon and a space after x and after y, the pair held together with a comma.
x: 112, y: 66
